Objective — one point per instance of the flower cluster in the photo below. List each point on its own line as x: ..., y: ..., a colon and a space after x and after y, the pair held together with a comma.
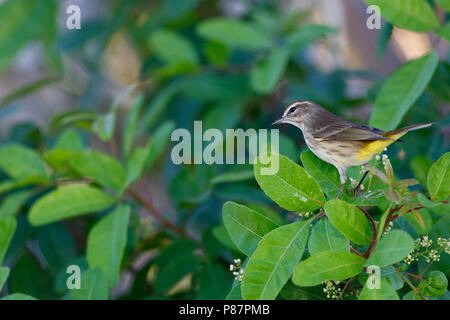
x: 304, y: 214
x: 388, y: 228
x: 423, y: 249
x: 355, y: 183
x: 237, y: 269
x: 444, y: 244
x: 332, y: 290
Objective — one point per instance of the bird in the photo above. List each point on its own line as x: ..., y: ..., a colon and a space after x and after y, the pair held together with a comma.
x: 338, y: 141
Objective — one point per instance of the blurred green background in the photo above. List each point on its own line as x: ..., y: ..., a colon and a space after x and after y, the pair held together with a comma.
x: 229, y: 63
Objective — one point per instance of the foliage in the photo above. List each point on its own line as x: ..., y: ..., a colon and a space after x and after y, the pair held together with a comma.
x: 97, y: 188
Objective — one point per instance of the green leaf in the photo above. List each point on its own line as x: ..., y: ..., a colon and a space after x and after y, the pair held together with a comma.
x: 433, y: 284
x: 18, y: 20
x: 385, y: 292
x: 131, y: 122
x: 4, y: 273
x: 143, y: 158
x: 234, y: 33
x: 265, y: 76
x: 273, y: 261
x: 189, y: 187
x: 324, y: 173
x: 69, y: 140
x: 7, y: 227
x: 172, y: 48
x: 327, y: 265
x: 174, y: 270
x: 216, y: 53
x: 18, y: 296
x: 441, y: 230
x: 93, y: 286
x: 291, y: 187
x: 269, y: 213
x: 106, y: 243
x: 306, y: 35
x: 382, y: 222
x: 104, y: 126
x: 325, y: 237
x: 427, y: 202
x: 30, y: 277
x: 221, y: 234
x: 135, y: 165
x: 81, y: 118
x: 56, y: 245
x: 14, y: 202
x: 438, y: 181
x: 401, y: 90
x: 421, y: 220
x: 158, y: 142
x: 232, y: 176
x: 292, y: 292
x: 350, y: 221
x: 235, y: 292
x: 392, y: 248
x: 444, y: 4
x: 24, y: 90
x: 214, y: 282
x: 68, y: 202
x: 420, y: 166
x: 246, y: 227
x: 444, y: 32
x: 21, y: 162
x: 415, y: 15
x: 158, y: 105
x: 104, y: 169
x: 383, y: 39
x: 390, y: 273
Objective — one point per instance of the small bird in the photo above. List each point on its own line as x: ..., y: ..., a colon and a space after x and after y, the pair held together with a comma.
x: 337, y: 141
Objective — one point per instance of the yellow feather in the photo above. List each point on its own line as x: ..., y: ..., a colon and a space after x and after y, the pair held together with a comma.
x: 374, y: 147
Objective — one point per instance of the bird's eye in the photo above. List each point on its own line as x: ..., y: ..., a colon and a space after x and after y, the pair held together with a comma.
x: 292, y: 110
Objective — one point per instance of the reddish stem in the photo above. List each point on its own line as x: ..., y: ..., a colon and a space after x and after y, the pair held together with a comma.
x: 374, y: 233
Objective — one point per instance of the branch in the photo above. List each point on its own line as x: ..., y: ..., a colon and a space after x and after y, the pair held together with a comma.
x: 414, y: 209
x: 410, y: 284
x: 368, y: 252
x: 374, y: 233
x: 153, y: 211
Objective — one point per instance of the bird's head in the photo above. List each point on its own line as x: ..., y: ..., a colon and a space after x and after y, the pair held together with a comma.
x: 297, y: 113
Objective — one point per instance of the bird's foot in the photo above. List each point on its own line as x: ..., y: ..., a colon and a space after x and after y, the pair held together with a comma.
x: 354, y: 191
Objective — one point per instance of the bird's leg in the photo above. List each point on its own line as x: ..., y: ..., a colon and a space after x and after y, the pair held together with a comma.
x: 356, y: 189
x: 343, y: 177
x: 340, y: 190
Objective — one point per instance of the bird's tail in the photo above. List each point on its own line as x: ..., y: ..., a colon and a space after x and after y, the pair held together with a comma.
x: 397, y: 133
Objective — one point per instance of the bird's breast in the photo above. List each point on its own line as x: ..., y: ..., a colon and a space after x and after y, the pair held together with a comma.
x: 337, y: 153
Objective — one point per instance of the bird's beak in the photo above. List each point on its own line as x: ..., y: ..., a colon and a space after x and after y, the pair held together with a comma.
x: 281, y: 120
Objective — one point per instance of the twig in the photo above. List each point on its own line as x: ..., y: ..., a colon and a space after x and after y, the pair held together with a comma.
x: 367, y: 253
x: 409, y: 283
x: 347, y: 285
x: 152, y: 210
x: 355, y: 251
x: 415, y: 276
x: 414, y: 209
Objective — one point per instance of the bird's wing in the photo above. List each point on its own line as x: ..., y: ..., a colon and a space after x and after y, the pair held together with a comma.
x: 346, y: 132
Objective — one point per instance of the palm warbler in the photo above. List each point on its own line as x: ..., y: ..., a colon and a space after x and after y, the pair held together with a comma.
x: 337, y: 141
